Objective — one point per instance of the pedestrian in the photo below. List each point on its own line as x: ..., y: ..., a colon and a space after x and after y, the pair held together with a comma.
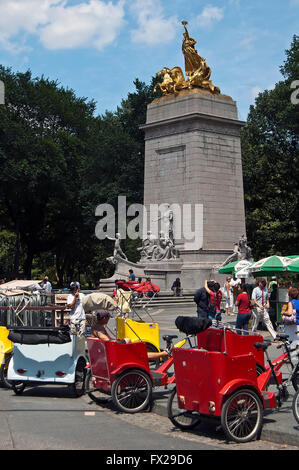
x: 234, y: 283
x: 244, y: 310
x: 228, y: 296
x: 132, y: 276
x: 260, y: 297
x: 177, y: 287
x: 272, y: 283
x: 47, y: 286
x: 292, y: 329
x: 202, y: 300
x: 77, y: 313
x: 215, y: 300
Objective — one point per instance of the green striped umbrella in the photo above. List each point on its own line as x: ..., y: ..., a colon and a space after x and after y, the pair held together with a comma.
x: 235, y: 266
x: 270, y: 266
x: 293, y: 266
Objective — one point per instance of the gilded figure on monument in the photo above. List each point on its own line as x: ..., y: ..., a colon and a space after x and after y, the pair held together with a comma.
x: 197, y: 71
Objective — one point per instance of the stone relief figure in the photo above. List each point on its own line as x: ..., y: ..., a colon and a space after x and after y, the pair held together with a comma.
x: 148, y: 246
x: 158, y: 249
x: 241, y: 251
x: 168, y: 221
x: 117, y: 252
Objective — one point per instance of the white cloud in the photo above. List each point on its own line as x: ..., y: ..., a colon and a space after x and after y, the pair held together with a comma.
x: 254, y: 92
x: 247, y: 42
x: 153, y: 27
x: 209, y: 16
x: 92, y: 23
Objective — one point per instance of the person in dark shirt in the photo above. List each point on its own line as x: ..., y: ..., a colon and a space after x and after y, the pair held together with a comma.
x: 202, y: 300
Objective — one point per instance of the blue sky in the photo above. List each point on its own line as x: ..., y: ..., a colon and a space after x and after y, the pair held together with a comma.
x: 98, y: 47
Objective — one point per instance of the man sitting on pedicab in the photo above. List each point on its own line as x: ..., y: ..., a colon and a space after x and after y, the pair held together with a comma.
x: 98, y: 330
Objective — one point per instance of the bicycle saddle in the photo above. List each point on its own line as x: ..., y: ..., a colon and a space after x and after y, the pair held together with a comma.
x: 263, y: 345
x: 169, y: 337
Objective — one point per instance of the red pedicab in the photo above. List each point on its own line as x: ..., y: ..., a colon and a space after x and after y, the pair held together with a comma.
x: 123, y: 370
x: 220, y: 380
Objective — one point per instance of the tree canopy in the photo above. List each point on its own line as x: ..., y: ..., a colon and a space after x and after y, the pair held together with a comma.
x: 270, y: 150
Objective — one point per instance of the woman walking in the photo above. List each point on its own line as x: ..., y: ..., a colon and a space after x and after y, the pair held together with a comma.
x: 244, y: 310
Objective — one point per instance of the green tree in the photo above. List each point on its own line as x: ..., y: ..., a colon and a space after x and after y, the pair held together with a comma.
x: 270, y: 151
x: 43, y: 129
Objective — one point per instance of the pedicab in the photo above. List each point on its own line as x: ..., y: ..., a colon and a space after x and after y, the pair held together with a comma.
x: 44, y: 355
x: 123, y: 371
x: 136, y: 327
x: 219, y: 380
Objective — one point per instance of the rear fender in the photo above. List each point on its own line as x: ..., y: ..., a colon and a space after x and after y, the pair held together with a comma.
x: 126, y: 367
x: 237, y: 384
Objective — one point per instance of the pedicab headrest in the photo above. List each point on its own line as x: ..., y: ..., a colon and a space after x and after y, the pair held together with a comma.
x: 192, y: 325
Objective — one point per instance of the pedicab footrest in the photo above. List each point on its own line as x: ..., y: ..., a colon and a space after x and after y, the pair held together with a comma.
x: 42, y: 335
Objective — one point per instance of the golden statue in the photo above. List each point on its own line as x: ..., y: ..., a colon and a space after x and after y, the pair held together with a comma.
x: 197, y: 71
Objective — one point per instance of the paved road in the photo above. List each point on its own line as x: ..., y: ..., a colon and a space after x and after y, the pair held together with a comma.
x: 47, y: 418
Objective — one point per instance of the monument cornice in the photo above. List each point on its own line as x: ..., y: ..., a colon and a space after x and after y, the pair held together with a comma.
x: 193, y: 117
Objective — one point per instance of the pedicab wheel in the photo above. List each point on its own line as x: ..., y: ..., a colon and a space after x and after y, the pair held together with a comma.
x: 181, y: 418
x: 95, y: 394
x: 131, y: 391
x: 18, y: 387
x: 77, y: 388
x: 295, y: 406
x: 295, y: 378
x: 242, y: 416
x: 3, y: 373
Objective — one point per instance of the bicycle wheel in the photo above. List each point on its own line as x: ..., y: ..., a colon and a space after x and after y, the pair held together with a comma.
x: 242, y: 416
x: 77, y: 388
x: 3, y: 372
x: 97, y: 395
x: 181, y: 418
x: 295, y: 377
x: 131, y: 391
x: 295, y: 406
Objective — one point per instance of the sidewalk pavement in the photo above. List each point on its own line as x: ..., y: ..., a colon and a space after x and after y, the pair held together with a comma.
x: 279, y: 426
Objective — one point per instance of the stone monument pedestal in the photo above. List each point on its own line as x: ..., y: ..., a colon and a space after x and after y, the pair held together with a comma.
x: 193, y: 158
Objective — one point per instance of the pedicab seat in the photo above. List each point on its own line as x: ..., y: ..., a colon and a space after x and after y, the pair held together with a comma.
x: 229, y: 342
x: 110, y: 358
x: 40, y: 335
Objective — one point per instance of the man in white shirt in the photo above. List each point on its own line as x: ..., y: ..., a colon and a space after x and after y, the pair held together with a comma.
x: 77, y: 314
x: 261, y: 296
x: 47, y: 284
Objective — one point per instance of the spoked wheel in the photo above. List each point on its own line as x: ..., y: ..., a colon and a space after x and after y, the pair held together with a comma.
x: 3, y: 373
x: 95, y: 394
x: 242, y: 416
x: 181, y: 418
x: 131, y: 391
x: 18, y: 387
x: 295, y: 406
x: 295, y: 378
x: 77, y: 388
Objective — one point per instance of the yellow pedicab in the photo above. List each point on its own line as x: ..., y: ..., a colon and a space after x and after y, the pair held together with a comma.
x: 136, y: 329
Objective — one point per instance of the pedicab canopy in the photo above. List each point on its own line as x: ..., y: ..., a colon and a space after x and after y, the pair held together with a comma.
x: 142, y: 287
x: 97, y: 301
